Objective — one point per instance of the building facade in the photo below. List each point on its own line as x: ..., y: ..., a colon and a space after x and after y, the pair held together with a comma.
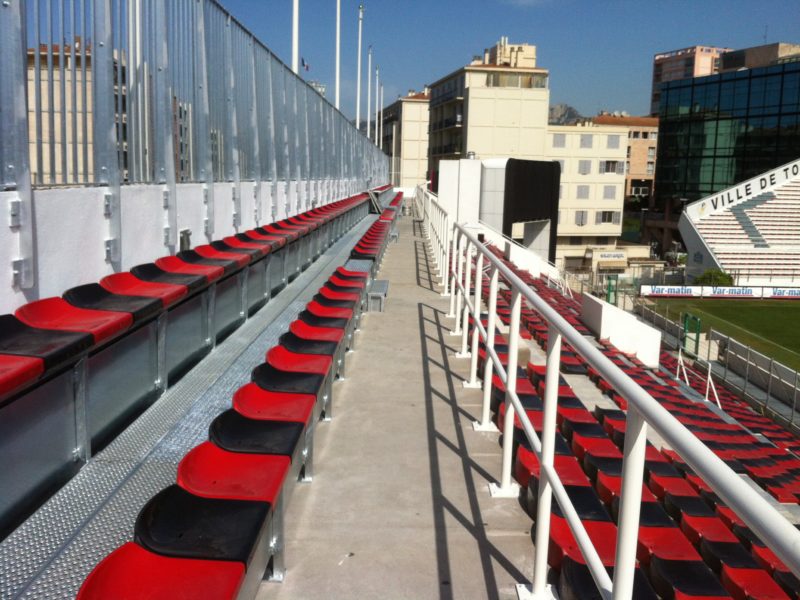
x: 405, y: 138
x: 496, y: 106
x: 719, y: 130
x: 685, y: 63
x: 592, y: 192
x: 640, y: 165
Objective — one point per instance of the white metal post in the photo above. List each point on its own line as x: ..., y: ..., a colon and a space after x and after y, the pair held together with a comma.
x: 476, y: 305
x: 452, y: 270
x: 338, y: 47
x: 377, y: 99
x: 459, y: 281
x: 465, y: 314
x: 380, y: 136
x: 545, y: 490
x: 507, y: 488
x: 488, y: 369
x: 633, y: 456
x: 295, y: 35
x: 445, y: 272
x: 358, y: 68
x: 369, y: 89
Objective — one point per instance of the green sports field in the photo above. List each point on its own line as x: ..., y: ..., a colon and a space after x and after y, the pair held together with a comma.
x: 770, y: 326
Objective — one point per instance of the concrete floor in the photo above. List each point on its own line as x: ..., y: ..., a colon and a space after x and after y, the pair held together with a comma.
x: 399, y: 506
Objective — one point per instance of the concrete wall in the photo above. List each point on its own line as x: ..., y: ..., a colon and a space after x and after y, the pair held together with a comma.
x: 70, y: 228
x: 622, y: 329
x: 493, y: 189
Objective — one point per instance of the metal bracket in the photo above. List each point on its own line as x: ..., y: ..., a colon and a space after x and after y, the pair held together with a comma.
x: 17, y: 268
x: 236, y: 205
x: 108, y: 197
x: 167, y: 232
x: 165, y: 198
x: 112, y: 249
x: 15, y: 212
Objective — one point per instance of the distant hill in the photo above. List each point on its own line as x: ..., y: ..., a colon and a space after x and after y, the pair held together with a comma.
x: 563, y: 114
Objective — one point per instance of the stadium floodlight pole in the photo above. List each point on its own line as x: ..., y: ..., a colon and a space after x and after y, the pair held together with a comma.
x: 358, y: 68
x: 380, y: 136
x: 295, y: 35
x: 377, y: 87
x: 338, y: 46
x: 369, y: 88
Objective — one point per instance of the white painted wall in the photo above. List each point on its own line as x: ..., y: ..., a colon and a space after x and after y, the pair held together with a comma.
x: 459, y: 189
x: 493, y: 190
x: 622, y: 329
x: 70, y: 229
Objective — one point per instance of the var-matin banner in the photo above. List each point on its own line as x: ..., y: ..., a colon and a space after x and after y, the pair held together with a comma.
x: 710, y: 291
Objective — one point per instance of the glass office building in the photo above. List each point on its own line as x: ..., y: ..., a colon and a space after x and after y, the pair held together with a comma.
x: 718, y: 130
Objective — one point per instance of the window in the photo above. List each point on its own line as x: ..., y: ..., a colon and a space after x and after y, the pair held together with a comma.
x: 628, y: 153
x: 559, y: 140
x: 651, y: 167
x: 581, y: 217
x: 651, y: 152
x: 645, y: 135
x: 583, y: 192
x: 612, y: 166
x: 560, y: 196
x: 584, y: 167
x: 575, y: 240
x: 613, y: 142
x: 603, y: 216
x: 627, y: 167
x: 653, y: 135
x: 561, y: 165
x: 602, y: 240
x: 586, y: 140
x: 609, y: 192
x: 636, y: 135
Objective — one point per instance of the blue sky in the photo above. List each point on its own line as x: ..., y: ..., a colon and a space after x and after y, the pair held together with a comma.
x: 599, y: 52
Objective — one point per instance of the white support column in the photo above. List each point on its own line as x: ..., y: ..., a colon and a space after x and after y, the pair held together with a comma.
x: 633, y: 455
x: 545, y: 490
x: 459, y: 281
x: 377, y: 99
x: 358, y: 68
x: 369, y: 90
x: 488, y: 369
x: 465, y: 314
x: 476, y: 304
x: 295, y: 35
x: 338, y: 48
x: 507, y: 488
x: 445, y: 272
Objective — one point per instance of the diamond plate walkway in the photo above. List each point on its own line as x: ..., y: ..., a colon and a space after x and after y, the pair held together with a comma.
x: 399, y: 506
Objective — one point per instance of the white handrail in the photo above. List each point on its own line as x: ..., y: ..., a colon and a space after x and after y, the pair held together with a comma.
x: 643, y: 410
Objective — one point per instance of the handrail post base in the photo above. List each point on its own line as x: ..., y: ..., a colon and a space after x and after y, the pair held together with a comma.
x: 498, y: 491
x: 525, y: 592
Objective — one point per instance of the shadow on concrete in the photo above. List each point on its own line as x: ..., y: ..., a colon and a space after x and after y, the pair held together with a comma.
x: 435, y: 354
x: 422, y: 262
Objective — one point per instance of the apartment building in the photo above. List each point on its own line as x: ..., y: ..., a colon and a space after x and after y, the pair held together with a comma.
x: 640, y: 164
x: 405, y: 138
x: 496, y: 106
x: 694, y: 61
x: 592, y: 192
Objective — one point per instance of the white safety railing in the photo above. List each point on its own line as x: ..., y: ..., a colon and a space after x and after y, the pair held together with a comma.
x: 643, y: 411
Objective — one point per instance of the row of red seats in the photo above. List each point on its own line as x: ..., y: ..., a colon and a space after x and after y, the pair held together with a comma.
x: 47, y: 334
x: 373, y: 242
x: 218, y: 531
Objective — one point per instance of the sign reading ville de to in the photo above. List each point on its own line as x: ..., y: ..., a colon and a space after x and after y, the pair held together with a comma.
x: 744, y: 191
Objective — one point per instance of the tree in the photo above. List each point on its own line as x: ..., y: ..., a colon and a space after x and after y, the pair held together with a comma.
x: 714, y: 277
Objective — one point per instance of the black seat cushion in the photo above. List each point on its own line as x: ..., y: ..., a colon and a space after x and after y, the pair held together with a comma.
x: 315, y: 321
x: 177, y: 523
x: 53, y: 347
x: 152, y: 272
x: 274, y: 380
x: 236, y: 433
x: 299, y: 345
x: 319, y: 298
x: 273, y: 244
x: 730, y: 554
x: 693, y: 506
x: 586, y: 503
x: 576, y: 583
x: 254, y: 253
x: 95, y: 297
x: 190, y: 256
x: 692, y: 578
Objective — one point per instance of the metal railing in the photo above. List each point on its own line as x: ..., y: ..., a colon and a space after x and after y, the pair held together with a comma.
x: 109, y: 92
x: 643, y: 411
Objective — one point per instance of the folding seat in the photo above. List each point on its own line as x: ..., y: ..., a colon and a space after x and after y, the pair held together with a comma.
x: 174, y: 266
x: 334, y: 335
x: 57, y: 313
x: 134, y: 573
x: 208, y: 255
x: 93, y: 296
x: 178, y: 524
x: 300, y: 365
x: 683, y: 579
x: 588, y: 438
x: 661, y: 485
x: 739, y: 572
x: 127, y: 284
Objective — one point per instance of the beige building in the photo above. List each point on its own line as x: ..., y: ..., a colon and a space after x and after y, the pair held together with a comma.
x: 592, y: 193
x: 494, y: 107
x: 405, y: 138
x: 640, y: 165
x: 694, y: 61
